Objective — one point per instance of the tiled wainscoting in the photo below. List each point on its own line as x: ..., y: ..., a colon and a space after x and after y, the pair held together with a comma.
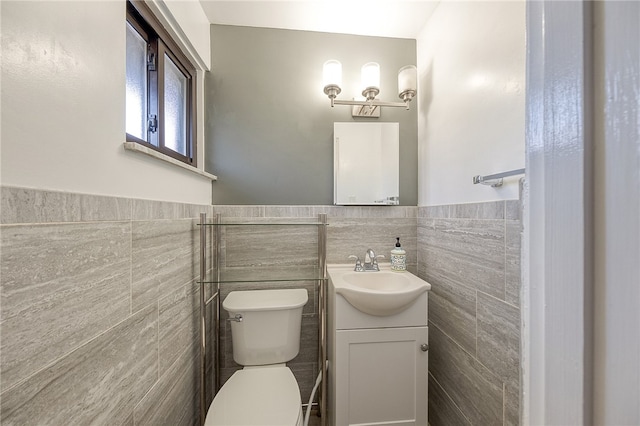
x: 470, y: 253
x: 99, y: 310
x: 351, y: 230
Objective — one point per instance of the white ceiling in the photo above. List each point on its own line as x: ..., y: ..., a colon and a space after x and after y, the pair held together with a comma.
x: 384, y: 18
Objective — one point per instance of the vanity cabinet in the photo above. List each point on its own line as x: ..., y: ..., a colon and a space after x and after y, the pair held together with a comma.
x: 381, y: 376
x: 378, y: 366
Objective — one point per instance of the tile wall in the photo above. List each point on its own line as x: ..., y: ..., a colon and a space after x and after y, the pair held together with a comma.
x: 470, y: 253
x: 99, y: 298
x: 100, y: 307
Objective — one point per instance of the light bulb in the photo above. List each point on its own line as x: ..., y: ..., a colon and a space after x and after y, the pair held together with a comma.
x: 370, y: 76
x: 332, y: 73
x: 407, y: 82
x: 407, y: 78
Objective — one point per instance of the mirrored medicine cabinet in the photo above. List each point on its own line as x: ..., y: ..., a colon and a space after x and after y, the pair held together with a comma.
x: 366, y: 158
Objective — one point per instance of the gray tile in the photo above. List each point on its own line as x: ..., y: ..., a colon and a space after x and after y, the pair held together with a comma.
x: 470, y: 385
x: 165, y: 256
x: 155, y: 210
x: 372, y: 212
x: 306, y: 374
x: 270, y: 245
x: 226, y: 344
x: 179, y: 324
x: 441, y: 212
x: 25, y: 205
x: 62, y: 284
x: 100, y: 208
x: 193, y: 210
x: 98, y: 383
x: 209, y: 387
x: 513, y: 273
x: 442, y: 410
x: 466, y: 251
x: 354, y: 236
x: 210, y: 367
x: 328, y: 210
x: 512, y: 404
x: 288, y: 211
x: 175, y: 398
x: 453, y: 309
x: 487, y: 210
x: 513, y: 210
x: 308, y: 341
x: 499, y: 337
x: 239, y: 211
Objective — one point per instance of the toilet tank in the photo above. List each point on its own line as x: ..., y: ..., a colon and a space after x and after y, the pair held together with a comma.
x: 269, y: 332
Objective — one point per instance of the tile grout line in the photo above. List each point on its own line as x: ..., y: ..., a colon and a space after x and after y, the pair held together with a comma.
x: 476, y: 320
x: 455, y: 342
x: 131, y: 261
x: 500, y: 300
x: 158, y: 341
x: 75, y: 349
x: 505, y: 250
x: 504, y: 403
x: 449, y: 396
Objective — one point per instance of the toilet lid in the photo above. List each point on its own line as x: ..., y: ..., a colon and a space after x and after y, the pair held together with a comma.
x: 257, y: 396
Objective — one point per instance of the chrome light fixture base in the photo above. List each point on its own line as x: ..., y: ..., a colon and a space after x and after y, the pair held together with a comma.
x: 332, y: 90
x: 406, y: 96
x: 370, y: 93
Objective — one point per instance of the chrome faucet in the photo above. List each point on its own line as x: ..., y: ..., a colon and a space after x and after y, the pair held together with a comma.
x: 372, y: 264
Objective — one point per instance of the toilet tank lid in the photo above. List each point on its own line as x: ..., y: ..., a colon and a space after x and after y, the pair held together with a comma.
x: 265, y: 300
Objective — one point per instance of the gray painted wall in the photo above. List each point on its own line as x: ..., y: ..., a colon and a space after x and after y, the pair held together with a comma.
x: 269, y: 126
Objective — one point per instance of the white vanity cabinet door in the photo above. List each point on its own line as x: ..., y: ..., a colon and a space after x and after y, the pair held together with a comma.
x: 381, y: 376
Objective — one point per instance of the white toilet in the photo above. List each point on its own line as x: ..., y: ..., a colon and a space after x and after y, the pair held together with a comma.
x: 266, y: 334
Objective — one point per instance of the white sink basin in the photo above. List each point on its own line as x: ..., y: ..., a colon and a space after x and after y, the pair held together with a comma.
x: 380, y: 293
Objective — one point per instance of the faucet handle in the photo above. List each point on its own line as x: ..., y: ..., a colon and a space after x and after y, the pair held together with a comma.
x: 374, y: 261
x: 358, y: 267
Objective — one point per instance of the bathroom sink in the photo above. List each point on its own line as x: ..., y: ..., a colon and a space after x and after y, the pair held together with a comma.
x: 380, y: 293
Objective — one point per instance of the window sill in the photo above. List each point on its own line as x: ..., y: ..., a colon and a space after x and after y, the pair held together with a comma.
x: 136, y: 147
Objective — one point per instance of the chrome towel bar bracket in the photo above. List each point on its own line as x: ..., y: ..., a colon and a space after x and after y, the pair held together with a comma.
x: 495, y: 180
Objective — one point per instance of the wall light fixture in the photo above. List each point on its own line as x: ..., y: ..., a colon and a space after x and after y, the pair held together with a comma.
x: 370, y: 81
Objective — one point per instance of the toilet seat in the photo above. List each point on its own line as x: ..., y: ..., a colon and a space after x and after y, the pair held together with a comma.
x: 265, y: 395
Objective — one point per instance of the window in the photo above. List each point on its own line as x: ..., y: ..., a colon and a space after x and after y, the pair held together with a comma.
x: 160, y: 88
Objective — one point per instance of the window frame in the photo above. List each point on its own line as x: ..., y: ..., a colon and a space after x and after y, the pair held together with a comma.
x: 159, y: 43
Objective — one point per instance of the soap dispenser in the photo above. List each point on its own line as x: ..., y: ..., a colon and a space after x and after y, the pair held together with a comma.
x: 398, y: 257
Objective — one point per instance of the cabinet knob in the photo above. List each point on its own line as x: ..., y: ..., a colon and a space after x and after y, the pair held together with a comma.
x: 424, y: 347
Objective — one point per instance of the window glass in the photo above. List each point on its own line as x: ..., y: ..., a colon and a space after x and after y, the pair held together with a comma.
x: 160, y: 88
x: 175, y: 107
x: 136, y: 84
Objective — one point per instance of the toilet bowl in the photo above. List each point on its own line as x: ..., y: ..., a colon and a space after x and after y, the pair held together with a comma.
x: 265, y: 331
x: 266, y: 395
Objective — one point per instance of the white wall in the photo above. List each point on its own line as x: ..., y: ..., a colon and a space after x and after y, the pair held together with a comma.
x: 471, y: 65
x: 63, y: 104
